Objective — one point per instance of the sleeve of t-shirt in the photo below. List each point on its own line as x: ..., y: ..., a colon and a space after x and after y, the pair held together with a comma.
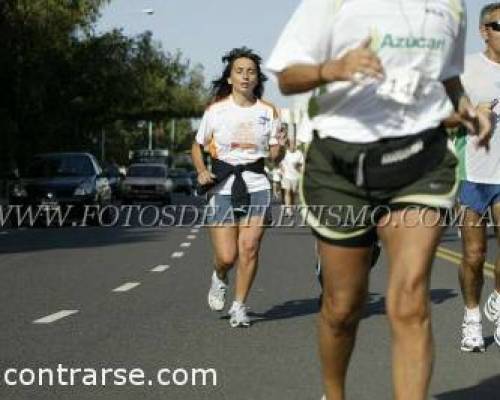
x: 306, y: 38
x: 455, y: 65
x: 205, y: 129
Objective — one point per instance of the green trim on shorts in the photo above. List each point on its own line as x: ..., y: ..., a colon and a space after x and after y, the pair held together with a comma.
x: 434, y: 200
x: 312, y: 221
x: 352, y: 211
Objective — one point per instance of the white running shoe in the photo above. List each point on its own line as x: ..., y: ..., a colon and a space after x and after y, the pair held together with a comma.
x: 496, y: 334
x: 492, y: 307
x: 217, y: 293
x: 238, y: 316
x: 472, y: 336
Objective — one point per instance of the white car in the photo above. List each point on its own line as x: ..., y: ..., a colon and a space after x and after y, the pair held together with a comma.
x: 147, y: 181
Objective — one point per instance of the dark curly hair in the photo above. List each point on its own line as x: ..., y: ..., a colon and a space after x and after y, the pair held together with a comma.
x: 221, y: 88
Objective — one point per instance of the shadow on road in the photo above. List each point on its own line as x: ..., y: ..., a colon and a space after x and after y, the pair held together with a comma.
x: 289, y: 309
x: 488, y: 389
x: 488, y: 341
x: 375, y: 306
x: 376, y: 302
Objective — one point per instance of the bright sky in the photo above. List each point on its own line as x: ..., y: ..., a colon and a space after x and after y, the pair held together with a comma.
x: 205, y: 29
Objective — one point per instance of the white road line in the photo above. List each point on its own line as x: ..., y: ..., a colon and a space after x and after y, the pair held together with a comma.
x: 185, y: 244
x: 191, y: 237
x: 55, y: 317
x: 126, y: 287
x: 178, y: 254
x: 195, y: 230
x: 160, y: 268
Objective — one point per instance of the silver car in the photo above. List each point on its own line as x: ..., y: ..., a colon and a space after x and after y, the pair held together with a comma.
x: 147, y: 181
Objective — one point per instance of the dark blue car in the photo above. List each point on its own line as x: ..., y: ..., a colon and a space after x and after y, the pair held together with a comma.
x: 58, y: 181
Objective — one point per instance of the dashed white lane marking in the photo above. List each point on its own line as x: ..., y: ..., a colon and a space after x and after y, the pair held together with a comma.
x: 126, y: 287
x: 55, y: 317
x: 178, y: 254
x: 191, y: 237
x: 195, y: 230
x: 160, y: 268
x: 185, y: 244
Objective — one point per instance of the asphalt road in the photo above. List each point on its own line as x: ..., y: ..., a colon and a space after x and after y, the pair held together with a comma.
x: 136, y: 298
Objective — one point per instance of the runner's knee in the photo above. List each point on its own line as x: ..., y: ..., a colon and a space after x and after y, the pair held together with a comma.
x: 408, y: 305
x: 340, y: 317
x: 226, y: 259
x: 474, y: 256
x: 249, y: 247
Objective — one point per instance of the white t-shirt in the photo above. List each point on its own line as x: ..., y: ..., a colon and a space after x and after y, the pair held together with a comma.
x: 239, y: 135
x: 406, y: 35
x: 289, y: 165
x: 305, y: 131
x: 481, y: 81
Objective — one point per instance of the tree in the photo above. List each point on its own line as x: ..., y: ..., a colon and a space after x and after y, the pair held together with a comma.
x: 63, y: 84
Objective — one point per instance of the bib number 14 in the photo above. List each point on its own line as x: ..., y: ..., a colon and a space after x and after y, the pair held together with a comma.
x: 400, y: 85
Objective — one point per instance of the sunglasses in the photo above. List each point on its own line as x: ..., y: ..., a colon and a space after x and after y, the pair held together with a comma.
x: 495, y: 25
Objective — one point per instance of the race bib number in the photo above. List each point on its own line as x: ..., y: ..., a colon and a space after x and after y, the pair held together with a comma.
x: 400, y: 85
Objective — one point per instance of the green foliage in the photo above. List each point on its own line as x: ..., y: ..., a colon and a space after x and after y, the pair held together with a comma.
x: 63, y: 84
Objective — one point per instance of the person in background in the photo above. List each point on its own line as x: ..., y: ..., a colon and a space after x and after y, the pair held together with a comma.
x: 240, y: 130
x: 480, y: 189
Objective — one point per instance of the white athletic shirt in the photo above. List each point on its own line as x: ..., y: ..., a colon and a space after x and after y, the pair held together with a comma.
x: 426, y: 36
x: 481, y: 81
x: 289, y: 162
x: 239, y: 135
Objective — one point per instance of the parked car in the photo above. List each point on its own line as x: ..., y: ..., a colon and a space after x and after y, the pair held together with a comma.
x: 54, y: 181
x: 147, y: 181
x: 182, y: 180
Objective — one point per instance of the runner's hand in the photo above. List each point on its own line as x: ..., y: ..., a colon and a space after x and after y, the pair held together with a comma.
x: 205, y: 178
x: 477, y: 120
x: 354, y: 65
x: 281, y: 137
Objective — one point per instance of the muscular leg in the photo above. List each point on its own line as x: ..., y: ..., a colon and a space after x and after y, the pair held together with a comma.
x: 471, y: 273
x: 249, y: 237
x: 345, y: 286
x: 410, y: 248
x: 225, y: 246
x: 496, y: 215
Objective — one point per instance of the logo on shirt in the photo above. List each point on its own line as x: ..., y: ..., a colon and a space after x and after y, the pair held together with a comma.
x: 263, y: 120
x: 244, y: 137
x: 409, y: 42
x: 391, y: 41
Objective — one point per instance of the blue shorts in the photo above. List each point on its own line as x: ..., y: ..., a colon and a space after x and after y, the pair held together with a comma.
x: 220, y: 210
x: 479, y: 196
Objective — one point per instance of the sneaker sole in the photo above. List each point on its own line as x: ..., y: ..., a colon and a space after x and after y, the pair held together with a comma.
x: 476, y: 349
x: 235, y: 324
x: 488, y: 315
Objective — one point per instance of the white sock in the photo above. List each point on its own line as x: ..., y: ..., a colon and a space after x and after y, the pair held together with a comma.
x: 473, y: 314
x: 237, y: 304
